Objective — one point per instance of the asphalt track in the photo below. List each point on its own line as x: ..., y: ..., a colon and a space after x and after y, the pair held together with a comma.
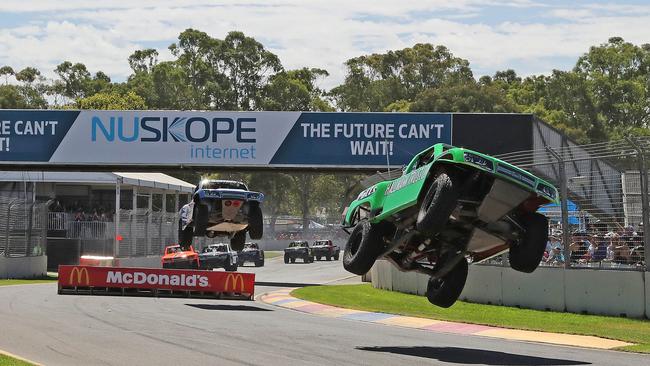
x: 38, y: 324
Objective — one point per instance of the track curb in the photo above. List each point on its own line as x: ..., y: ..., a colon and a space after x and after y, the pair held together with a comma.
x: 282, y: 298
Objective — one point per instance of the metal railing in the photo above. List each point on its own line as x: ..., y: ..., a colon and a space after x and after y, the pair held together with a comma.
x: 22, y: 232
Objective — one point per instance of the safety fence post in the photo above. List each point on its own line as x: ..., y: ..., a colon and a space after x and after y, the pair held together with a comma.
x: 566, y: 235
x: 645, y: 209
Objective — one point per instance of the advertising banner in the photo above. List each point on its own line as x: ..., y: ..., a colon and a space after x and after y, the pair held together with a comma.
x: 160, y: 279
x: 186, y: 138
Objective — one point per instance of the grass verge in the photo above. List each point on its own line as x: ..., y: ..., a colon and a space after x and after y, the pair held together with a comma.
x: 44, y: 279
x: 10, y: 361
x: 268, y: 254
x: 365, y: 297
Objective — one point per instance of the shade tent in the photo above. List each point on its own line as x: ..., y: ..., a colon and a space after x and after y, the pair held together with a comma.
x: 150, y: 180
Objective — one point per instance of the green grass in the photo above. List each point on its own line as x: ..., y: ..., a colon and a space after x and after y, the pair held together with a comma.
x: 10, y: 361
x: 46, y: 279
x: 365, y: 297
x: 268, y: 254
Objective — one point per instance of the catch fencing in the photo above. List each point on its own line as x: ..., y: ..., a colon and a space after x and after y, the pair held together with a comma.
x: 603, y: 211
x: 23, y: 227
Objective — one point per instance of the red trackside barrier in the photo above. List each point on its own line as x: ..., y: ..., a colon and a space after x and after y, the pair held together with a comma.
x: 155, y: 282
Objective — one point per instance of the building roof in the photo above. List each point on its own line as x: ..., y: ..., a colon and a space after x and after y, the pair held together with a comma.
x: 151, y: 180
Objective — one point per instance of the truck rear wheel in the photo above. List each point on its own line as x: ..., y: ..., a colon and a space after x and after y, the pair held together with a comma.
x: 255, y: 222
x: 200, y: 219
x: 365, y: 244
x: 445, y: 291
x: 186, y: 236
x: 526, y: 255
x: 237, y: 241
x: 438, y: 204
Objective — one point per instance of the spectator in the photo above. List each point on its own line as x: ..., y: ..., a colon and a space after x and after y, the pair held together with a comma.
x: 579, y: 246
x: 621, y: 250
x: 556, y: 256
x: 600, y: 250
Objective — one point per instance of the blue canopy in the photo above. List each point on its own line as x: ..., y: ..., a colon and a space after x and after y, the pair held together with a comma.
x: 555, y: 209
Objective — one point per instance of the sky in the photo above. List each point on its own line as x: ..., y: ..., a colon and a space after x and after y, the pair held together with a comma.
x: 529, y: 36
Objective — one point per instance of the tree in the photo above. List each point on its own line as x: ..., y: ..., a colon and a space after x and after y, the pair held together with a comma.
x: 466, y: 97
x: 194, y: 51
x: 28, y: 75
x: 113, y: 101
x: 616, y: 74
x: 143, y: 60
x: 248, y: 66
x: 75, y: 79
x: 296, y: 90
x: 11, y: 98
x: 6, y: 71
x: 375, y: 81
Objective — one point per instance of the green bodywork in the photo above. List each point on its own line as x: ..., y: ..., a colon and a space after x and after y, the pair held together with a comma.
x: 388, y: 198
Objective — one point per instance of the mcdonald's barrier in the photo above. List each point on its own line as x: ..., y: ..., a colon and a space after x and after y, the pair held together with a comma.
x: 92, y: 280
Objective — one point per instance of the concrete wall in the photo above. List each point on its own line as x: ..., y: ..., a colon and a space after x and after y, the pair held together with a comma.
x: 23, y: 267
x: 603, y: 292
x: 606, y: 292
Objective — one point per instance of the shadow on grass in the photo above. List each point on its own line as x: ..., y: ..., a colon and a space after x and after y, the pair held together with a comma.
x: 227, y: 307
x: 468, y: 356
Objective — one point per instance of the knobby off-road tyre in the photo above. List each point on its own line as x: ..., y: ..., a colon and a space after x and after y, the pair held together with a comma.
x: 200, y: 217
x: 260, y: 262
x: 186, y: 236
x: 364, y: 246
x: 528, y: 252
x: 445, y: 291
x: 237, y: 241
x: 286, y: 259
x: 438, y: 204
x: 255, y: 222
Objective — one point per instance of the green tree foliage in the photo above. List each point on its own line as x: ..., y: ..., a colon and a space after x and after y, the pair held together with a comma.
x: 6, y: 71
x: 11, y: 98
x: 113, y: 101
x: 224, y: 74
x: 375, y: 81
x: 296, y: 90
x: 463, y: 97
x: 75, y: 79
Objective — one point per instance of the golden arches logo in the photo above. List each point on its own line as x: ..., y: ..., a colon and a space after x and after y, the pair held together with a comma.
x: 236, y: 278
x: 81, y: 273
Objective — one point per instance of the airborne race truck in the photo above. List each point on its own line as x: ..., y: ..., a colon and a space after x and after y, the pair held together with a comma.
x: 450, y: 206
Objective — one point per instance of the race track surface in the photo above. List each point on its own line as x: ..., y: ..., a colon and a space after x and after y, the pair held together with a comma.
x: 56, y: 329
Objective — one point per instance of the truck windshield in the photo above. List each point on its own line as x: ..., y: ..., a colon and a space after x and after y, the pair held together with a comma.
x: 223, y: 185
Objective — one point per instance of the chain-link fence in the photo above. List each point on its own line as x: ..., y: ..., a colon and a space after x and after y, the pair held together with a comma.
x: 23, y: 227
x: 601, y: 219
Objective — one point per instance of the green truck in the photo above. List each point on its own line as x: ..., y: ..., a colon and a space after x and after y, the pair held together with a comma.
x: 450, y: 207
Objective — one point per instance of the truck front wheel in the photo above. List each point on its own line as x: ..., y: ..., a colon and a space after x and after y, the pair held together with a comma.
x: 237, y: 241
x: 438, y: 204
x: 365, y: 244
x: 255, y: 222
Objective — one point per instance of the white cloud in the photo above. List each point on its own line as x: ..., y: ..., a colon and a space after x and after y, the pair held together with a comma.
x: 317, y: 33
